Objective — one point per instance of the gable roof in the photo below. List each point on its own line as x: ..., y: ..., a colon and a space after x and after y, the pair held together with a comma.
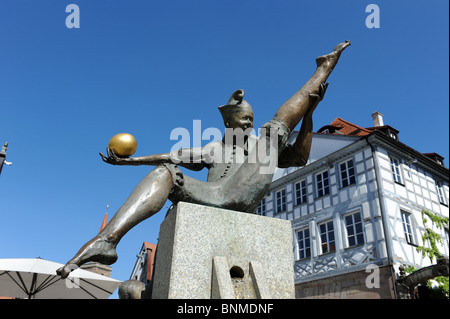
x: 342, y: 127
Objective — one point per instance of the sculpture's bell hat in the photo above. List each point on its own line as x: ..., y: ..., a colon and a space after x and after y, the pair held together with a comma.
x: 236, y: 103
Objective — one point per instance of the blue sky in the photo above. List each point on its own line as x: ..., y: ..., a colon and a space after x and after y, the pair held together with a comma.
x: 147, y: 67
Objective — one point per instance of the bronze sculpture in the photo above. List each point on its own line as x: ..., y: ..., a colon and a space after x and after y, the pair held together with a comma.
x: 232, y: 184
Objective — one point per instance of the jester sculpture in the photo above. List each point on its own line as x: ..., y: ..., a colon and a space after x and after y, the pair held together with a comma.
x: 240, y: 167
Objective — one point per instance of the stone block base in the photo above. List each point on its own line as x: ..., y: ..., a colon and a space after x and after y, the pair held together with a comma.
x: 205, y: 252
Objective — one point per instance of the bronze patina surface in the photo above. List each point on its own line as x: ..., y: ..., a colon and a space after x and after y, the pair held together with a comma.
x: 240, y: 166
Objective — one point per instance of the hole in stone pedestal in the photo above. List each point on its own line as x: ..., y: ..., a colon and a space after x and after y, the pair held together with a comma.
x: 236, y: 272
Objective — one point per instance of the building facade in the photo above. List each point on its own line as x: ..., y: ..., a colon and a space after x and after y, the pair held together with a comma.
x: 143, y: 269
x: 356, y: 210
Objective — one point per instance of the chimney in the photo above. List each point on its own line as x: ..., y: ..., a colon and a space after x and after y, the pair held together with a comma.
x: 377, y: 119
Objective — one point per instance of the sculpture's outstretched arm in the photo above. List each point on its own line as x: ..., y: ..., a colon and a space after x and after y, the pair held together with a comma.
x: 297, y: 154
x: 190, y: 158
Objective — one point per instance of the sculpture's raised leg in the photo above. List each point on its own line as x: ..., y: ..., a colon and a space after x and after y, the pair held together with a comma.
x: 293, y: 110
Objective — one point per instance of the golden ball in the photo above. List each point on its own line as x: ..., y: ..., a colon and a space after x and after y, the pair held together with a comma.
x: 123, y: 144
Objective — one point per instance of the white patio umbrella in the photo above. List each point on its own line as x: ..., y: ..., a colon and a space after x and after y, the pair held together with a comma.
x: 36, y: 278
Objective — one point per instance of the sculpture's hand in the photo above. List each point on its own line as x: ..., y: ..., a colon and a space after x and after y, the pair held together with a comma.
x: 320, y: 95
x: 317, y: 97
x: 113, y: 159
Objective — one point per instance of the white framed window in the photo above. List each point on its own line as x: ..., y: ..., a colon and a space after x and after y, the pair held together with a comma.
x: 328, y: 243
x: 262, y: 208
x: 440, y: 193
x: 300, y: 192
x: 347, y: 171
x: 395, y: 167
x: 280, y: 197
x: 446, y: 236
x: 322, y: 184
x: 407, y: 229
x: 354, y: 227
x: 304, y: 243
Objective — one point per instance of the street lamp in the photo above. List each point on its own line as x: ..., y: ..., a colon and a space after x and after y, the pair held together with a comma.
x: 3, y: 157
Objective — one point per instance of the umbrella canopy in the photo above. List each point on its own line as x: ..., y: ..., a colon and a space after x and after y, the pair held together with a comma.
x: 37, y: 278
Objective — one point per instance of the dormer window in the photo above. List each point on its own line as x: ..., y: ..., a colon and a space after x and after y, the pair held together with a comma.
x: 329, y: 129
x: 435, y: 157
x: 392, y: 135
x: 389, y: 131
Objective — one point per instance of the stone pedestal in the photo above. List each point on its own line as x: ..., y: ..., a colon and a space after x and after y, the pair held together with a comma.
x: 205, y: 252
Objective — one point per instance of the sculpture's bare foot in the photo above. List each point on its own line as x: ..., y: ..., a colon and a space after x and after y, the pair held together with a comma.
x: 97, y: 249
x: 332, y: 58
